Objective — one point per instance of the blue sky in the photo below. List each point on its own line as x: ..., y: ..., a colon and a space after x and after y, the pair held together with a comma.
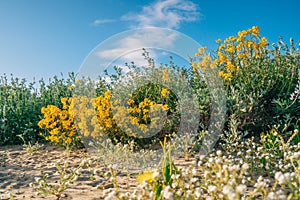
x: 43, y: 38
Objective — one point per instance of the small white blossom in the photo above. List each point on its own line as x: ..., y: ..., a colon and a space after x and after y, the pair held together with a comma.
x: 197, y: 192
x: 212, y: 188
x: 280, y: 178
x: 271, y: 196
x: 227, y: 189
x: 155, y: 174
x: 245, y: 166
x: 194, y: 171
x: 241, y: 189
x: 167, y: 194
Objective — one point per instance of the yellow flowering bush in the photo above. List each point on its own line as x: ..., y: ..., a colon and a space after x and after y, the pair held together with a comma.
x: 238, y: 51
x: 94, y: 117
x: 234, y: 52
x: 60, y: 125
x: 136, y: 124
x: 255, y: 76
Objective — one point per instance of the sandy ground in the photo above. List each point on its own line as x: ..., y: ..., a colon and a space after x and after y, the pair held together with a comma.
x: 18, y: 169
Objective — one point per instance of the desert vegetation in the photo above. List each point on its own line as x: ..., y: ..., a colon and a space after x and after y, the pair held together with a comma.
x: 256, y: 155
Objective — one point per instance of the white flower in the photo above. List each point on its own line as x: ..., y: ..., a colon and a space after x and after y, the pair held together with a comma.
x: 201, y: 157
x: 245, y: 166
x: 280, y: 178
x: 296, y: 155
x: 175, y: 176
x: 219, y: 161
x: 241, y: 189
x: 194, y: 171
x: 225, y: 167
x: 227, y: 189
x: 151, y: 195
x: 288, y: 176
x: 194, y: 180
x: 231, y: 181
x: 174, y: 185
x: 260, y: 179
x: 212, y: 188
x: 259, y: 148
x: 234, y: 168
x: 155, y: 174
x: 144, y: 185
x: 179, y: 192
x: 167, y: 194
x: 198, y: 192
x: 231, y: 196
x: 199, y: 163
x: 271, y: 196
x: 281, y: 195
x: 37, y: 179
x: 187, y: 186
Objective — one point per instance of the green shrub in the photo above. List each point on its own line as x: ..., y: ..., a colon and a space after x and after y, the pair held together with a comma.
x: 21, y: 103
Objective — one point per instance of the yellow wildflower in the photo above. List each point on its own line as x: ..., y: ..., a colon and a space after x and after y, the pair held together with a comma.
x: 164, y: 92
x: 255, y: 31
x: 166, y: 75
x: 201, y: 51
x: 130, y: 101
x: 242, y: 33
x: 146, y: 176
x: 165, y: 107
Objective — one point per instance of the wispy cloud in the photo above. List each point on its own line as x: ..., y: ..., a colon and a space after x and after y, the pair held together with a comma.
x: 98, y: 22
x: 161, y: 13
x: 129, y: 47
x: 165, y: 13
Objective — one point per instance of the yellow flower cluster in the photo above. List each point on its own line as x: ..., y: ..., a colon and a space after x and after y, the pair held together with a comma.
x: 139, y: 115
x: 94, y: 117
x: 148, y: 176
x: 60, y: 124
x: 166, y: 77
x: 205, y: 60
x: 165, y: 92
x: 234, y: 52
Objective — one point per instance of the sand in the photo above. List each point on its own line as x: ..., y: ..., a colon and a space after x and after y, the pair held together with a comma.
x: 18, y: 169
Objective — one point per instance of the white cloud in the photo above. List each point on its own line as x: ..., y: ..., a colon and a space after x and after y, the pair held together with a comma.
x: 98, y: 22
x: 129, y: 48
x: 161, y: 13
x: 165, y: 13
